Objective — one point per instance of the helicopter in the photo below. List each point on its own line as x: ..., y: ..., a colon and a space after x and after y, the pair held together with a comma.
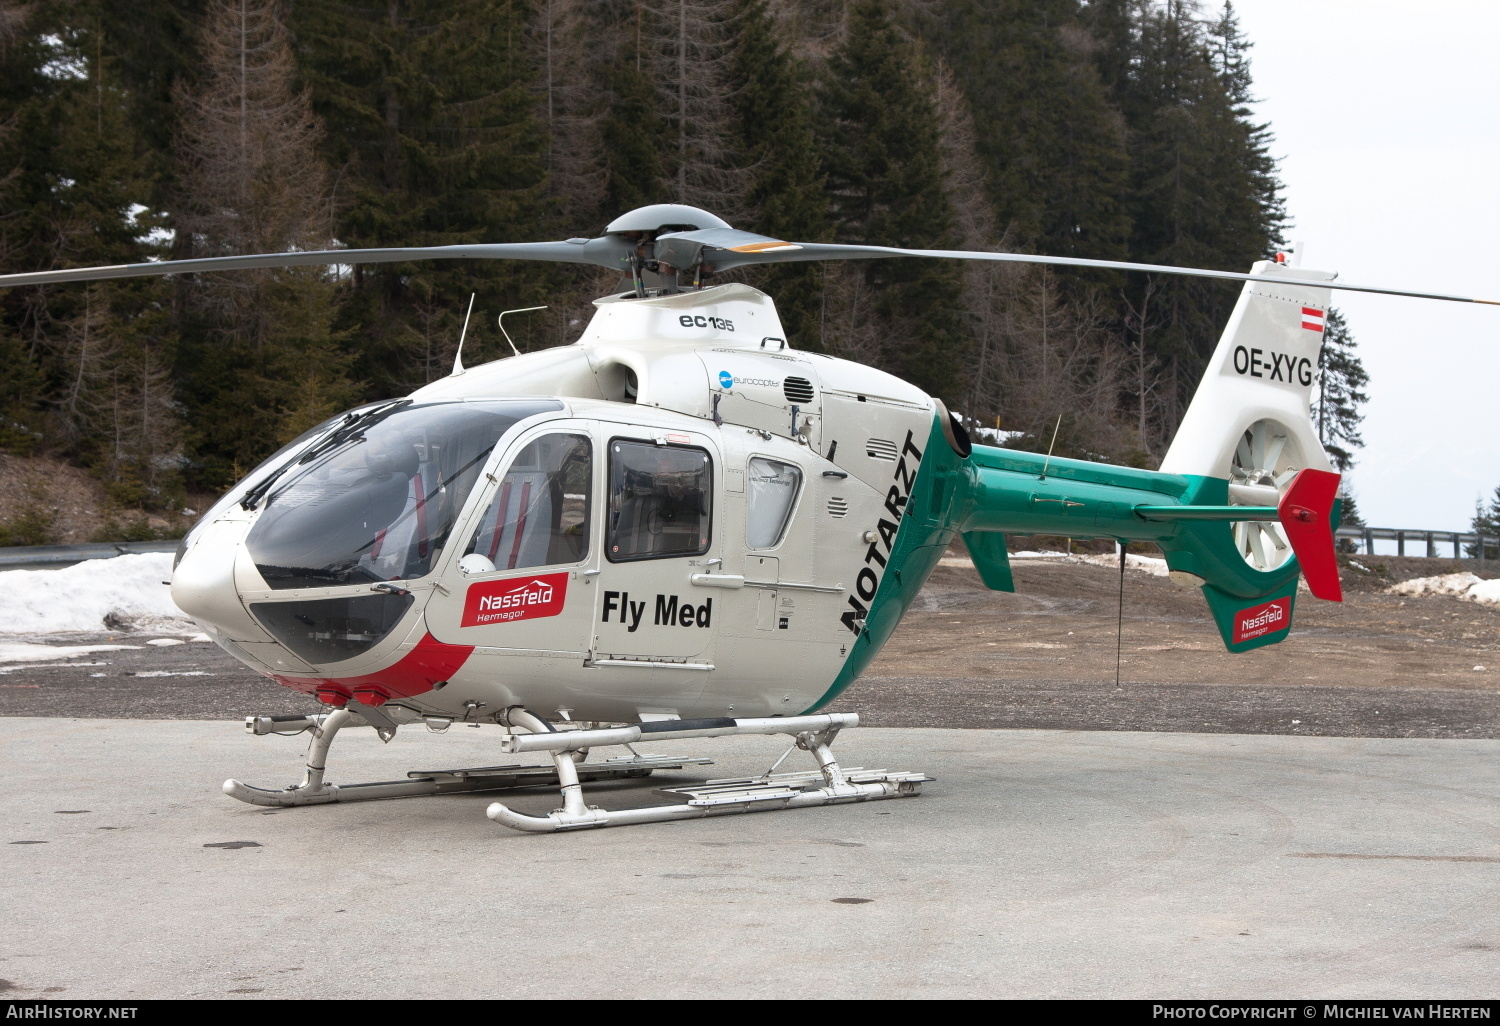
x: 680, y: 526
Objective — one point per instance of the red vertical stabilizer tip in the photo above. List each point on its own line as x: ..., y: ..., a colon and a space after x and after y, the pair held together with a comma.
x: 1306, y: 511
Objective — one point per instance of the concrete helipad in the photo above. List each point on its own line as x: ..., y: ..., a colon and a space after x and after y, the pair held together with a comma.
x: 1041, y: 863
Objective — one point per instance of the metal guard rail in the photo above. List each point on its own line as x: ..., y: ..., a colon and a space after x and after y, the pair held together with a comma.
x: 1458, y: 540
x: 65, y: 555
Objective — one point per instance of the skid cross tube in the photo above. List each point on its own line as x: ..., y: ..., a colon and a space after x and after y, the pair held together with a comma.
x: 666, y: 730
x: 814, y: 735
x: 315, y: 790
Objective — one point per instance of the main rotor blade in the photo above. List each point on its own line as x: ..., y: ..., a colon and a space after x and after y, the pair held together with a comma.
x: 611, y: 252
x: 725, y: 259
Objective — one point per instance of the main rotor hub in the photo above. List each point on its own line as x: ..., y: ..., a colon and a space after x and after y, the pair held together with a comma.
x: 665, y: 217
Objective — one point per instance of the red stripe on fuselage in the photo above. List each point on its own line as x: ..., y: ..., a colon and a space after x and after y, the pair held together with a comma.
x: 515, y: 548
x: 429, y: 662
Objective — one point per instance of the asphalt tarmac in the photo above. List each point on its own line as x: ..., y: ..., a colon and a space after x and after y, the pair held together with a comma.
x: 1038, y: 864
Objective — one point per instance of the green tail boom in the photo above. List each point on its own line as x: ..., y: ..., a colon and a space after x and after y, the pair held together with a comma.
x: 990, y: 492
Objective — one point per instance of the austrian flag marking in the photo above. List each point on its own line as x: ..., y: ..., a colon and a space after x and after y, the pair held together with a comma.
x: 1312, y: 319
x: 518, y: 598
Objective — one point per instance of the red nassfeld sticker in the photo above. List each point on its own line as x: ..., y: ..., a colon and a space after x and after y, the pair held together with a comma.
x: 1257, y: 621
x: 517, y: 598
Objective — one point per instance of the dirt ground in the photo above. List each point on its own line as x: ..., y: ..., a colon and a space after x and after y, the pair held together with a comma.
x: 55, y: 503
x: 1376, y: 665
x: 1060, y: 624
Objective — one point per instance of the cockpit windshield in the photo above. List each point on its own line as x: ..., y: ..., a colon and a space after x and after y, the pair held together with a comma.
x: 376, y: 500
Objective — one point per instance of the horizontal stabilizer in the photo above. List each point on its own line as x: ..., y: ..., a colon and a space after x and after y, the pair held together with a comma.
x: 987, y: 549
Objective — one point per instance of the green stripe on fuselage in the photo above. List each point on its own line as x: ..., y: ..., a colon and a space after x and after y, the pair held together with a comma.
x: 927, y: 526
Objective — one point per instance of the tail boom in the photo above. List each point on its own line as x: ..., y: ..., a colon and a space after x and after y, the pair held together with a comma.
x: 1187, y: 516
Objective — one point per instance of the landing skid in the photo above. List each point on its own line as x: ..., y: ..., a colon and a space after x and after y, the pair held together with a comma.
x: 768, y: 792
x: 827, y: 785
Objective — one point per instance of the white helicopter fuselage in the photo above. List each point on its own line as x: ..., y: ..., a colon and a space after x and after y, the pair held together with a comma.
x: 674, y: 527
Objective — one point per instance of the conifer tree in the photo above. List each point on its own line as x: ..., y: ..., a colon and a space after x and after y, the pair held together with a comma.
x: 1339, y: 393
x: 432, y: 123
x: 1053, y: 148
x: 1350, y: 516
x: 774, y: 138
x: 1203, y: 187
x: 633, y: 139
x: 694, y: 61
x: 564, y: 47
x: 267, y: 363
x: 70, y: 192
x: 883, y: 165
x: 1486, y: 523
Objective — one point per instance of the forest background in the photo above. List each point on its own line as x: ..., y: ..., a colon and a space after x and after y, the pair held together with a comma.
x: 170, y: 129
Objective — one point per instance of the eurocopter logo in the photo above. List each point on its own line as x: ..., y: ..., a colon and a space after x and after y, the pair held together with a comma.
x: 527, y: 598
x: 1258, y: 621
x: 728, y: 381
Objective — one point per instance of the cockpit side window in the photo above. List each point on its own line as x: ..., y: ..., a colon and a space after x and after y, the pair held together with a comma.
x: 771, y: 488
x: 660, y: 501
x: 539, y: 515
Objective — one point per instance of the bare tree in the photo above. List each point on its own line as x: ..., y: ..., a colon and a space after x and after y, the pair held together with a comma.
x: 143, y: 427
x: 253, y: 181
x: 1144, y: 373
x: 564, y: 51
x: 253, y: 178
x: 86, y: 346
x: 13, y: 18
x: 688, y: 45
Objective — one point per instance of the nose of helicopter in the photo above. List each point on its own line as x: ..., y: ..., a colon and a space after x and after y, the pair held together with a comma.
x: 204, y: 586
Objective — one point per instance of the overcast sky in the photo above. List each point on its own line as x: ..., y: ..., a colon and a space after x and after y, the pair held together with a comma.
x: 1387, y: 123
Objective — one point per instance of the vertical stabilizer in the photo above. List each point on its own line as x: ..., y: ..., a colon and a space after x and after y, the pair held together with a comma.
x: 1261, y: 373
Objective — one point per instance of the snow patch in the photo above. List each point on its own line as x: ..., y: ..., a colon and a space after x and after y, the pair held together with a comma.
x: 1487, y: 592
x: 1153, y: 565
x: 120, y: 594
x: 1460, y: 585
x: 1445, y: 584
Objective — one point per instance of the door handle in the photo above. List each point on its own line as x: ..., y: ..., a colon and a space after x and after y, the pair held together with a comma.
x: 732, y: 581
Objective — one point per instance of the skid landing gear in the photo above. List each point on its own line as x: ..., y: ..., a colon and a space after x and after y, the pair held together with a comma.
x: 829, y: 784
x: 767, y: 792
x: 315, y: 791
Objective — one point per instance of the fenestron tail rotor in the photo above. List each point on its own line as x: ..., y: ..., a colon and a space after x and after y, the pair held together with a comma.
x: 667, y: 237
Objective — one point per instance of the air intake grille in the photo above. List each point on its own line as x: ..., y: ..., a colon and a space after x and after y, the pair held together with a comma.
x: 798, y: 390
x: 880, y: 449
x: 838, y: 507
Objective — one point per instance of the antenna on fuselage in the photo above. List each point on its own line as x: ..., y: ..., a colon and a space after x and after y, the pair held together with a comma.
x: 1048, y: 463
x: 525, y: 309
x: 458, y: 355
